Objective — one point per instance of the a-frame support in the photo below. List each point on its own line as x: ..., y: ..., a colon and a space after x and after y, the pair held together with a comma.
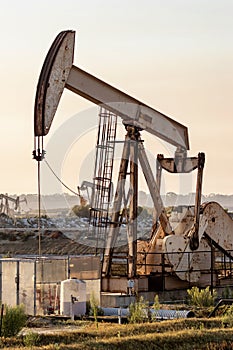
x: 133, y: 151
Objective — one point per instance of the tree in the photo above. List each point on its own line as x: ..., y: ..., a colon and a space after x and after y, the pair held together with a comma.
x: 81, y: 211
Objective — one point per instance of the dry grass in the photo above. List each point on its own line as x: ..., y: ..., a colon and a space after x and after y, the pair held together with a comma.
x: 166, y: 335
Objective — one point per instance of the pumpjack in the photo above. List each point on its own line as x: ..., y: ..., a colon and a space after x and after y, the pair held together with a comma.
x: 183, y: 248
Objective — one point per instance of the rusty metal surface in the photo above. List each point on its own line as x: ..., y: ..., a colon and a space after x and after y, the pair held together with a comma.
x: 180, y: 163
x: 182, y: 166
x: 220, y: 225
x: 52, y: 80
x: 194, y: 241
x: 215, y: 229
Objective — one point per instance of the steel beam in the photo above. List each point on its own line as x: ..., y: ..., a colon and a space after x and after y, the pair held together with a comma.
x: 154, y: 191
x: 133, y: 204
x: 132, y: 111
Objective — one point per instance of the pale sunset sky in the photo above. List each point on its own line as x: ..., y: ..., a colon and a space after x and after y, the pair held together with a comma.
x: 174, y: 55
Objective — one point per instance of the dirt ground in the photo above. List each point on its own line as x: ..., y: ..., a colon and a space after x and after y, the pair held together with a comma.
x: 51, y: 242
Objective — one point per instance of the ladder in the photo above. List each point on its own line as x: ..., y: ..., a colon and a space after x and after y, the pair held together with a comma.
x: 102, y: 180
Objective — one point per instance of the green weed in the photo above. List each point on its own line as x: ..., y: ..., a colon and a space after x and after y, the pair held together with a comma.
x: 14, y: 319
x: 201, y: 297
x: 31, y: 339
x: 139, y: 311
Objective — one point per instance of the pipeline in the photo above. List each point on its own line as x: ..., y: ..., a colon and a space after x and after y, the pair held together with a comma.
x: 172, y: 314
x: 160, y: 314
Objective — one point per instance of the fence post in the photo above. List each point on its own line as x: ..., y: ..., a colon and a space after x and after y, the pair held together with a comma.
x: 34, y: 287
x: 17, y: 282
x: 68, y: 267
x: 212, y: 270
x: 1, y: 280
x: 163, y: 271
x: 1, y: 318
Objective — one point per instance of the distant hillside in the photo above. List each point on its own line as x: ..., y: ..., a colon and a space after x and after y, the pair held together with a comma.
x: 173, y: 199
x: 66, y: 201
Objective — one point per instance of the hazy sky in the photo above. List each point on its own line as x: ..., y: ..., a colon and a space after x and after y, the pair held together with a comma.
x: 174, y: 55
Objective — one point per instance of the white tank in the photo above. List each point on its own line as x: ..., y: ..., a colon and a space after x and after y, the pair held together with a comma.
x: 73, y: 297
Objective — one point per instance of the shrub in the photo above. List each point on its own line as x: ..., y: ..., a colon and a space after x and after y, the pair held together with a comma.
x: 81, y: 211
x: 227, y: 293
x: 14, y: 320
x: 139, y: 311
x: 31, y: 339
x: 156, y: 305
x: 201, y: 298
x: 227, y: 319
x: 94, y: 309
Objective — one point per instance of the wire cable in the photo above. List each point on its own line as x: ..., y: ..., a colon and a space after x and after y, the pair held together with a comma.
x: 68, y: 188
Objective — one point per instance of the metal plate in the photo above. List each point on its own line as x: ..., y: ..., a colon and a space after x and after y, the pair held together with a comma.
x: 52, y: 80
